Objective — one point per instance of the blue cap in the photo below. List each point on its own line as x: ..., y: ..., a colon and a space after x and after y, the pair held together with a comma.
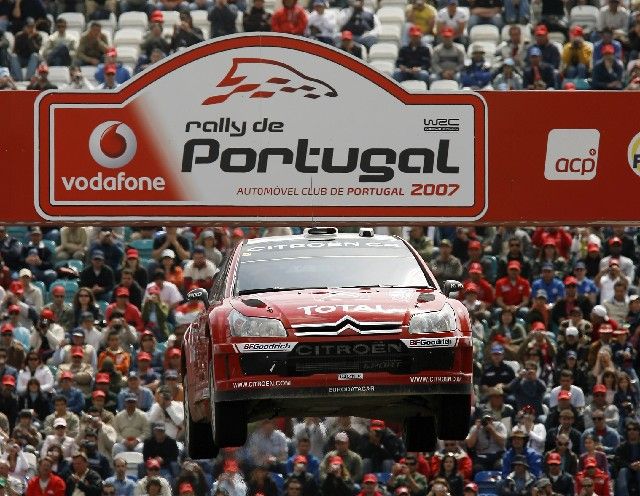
x: 535, y: 52
x: 541, y: 293
x: 579, y: 265
x: 79, y: 331
x: 509, y: 62
x: 547, y: 266
x: 497, y: 348
x: 572, y: 354
x: 98, y: 254
x: 131, y: 397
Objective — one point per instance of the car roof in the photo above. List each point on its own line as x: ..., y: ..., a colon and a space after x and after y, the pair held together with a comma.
x: 310, y: 238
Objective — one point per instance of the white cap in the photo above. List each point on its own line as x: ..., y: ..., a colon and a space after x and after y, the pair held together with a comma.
x: 342, y: 436
x: 571, y: 331
x: 168, y: 253
x: 600, y: 311
x: 25, y: 273
x: 59, y: 421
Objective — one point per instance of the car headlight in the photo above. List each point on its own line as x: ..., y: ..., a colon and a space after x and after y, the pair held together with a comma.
x: 443, y: 320
x: 247, y: 327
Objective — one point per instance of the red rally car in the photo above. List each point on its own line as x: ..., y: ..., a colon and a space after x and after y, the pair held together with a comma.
x: 327, y: 324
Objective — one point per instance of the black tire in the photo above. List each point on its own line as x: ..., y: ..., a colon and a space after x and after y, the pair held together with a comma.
x: 198, y: 437
x: 454, y: 417
x: 230, y: 424
x: 420, y: 434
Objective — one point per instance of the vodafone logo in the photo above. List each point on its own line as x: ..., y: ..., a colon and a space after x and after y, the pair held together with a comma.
x: 112, y: 144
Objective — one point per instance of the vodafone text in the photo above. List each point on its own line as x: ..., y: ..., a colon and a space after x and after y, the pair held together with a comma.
x: 251, y: 384
x: 119, y: 182
x: 434, y: 380
x: 206, y: 151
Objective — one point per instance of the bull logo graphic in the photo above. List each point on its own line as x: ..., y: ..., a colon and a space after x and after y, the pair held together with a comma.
x: 263, y: 78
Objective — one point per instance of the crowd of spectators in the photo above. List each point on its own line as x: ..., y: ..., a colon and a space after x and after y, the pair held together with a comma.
x: 545, y: 43
x: 92, y: 321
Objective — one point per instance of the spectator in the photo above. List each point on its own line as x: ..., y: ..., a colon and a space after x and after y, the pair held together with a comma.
x: 513, y: 291
x: 423, y: 16
x: 83, y: 479
x: 561, y: 482
x: 92, y: 46
x: 60, y: 49
x: 46, y: 482
x: 538, y: 75
x: 9, y: 400
x: 449, y: 472
x: 26, y: 47
x: 454, y: 18
x: 337, y: 480
x: 128, y: 282
x: 405, y: 474
x: 167, y: 412
x: 348, y: 45
x: 60, y: 438
x: 153, y: 38
x: 520, y: 481
x: 185, y: 34
x: 593, y: 475
x: 122, y: 485
x: 322, y: 23
x: 488, y: 437
x: 162, y: 448
x: 114, y: 352
x: 615, y: 248
x: 223, y: 18
x: 98, y: 276
x: 607, y: 75
x: 613, y: 16
x: 309, y: 486
x: 132, y: 315
x: 607, y: 437
x: 112, y: 251
x: 593, y: 448
x: 576, y: 55
x: 519, y: 439
x: 486, y: 12
x: 448, y: 59
x: 476, y: 75
x: 351, y: 460
x: 380, y: 448
x: 132, y: 427
x: 153, y: 473
x: 291, y: 18
x: 257, y: 19
x: 170, y: 239
x: 311, y: 435
x: 363, y: 24
x: 627, y: 460
x: 508, y: 78
x: 413, y: 60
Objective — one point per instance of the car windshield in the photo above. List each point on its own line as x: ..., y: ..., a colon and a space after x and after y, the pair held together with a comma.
x: 274, y: 266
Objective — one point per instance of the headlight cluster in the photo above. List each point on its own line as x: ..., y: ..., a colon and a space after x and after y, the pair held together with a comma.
x: 443, y: 320
x: 247, y: 327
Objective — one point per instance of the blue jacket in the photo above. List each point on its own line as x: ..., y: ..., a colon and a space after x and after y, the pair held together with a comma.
x: 75, y: 399
x: 601, y: 77
x: 554, y: 289
x: 609, y: 441
x: 477, y: 75
x: 533, y: 459
x: 313, y: 465
x: 145, y: 398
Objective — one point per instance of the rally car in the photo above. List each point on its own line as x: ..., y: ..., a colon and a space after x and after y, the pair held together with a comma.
x: 326, y: 324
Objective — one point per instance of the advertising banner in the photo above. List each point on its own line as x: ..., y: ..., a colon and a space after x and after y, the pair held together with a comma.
x: 258, y: 129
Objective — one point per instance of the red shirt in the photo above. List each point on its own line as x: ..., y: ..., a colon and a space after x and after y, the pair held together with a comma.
x: 485, y: 290
x: 513, y: 293
x: 131, y: 314
x: 600, y: 482
x: 55, y: 487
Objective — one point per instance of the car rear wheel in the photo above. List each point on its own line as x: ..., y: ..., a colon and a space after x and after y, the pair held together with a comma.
x: 454, y: 417
x: 229, y: 421
x: 198, y: 436
x: 420, y: 433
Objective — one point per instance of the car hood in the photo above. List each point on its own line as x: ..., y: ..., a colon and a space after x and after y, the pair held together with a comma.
x: 326, y: 307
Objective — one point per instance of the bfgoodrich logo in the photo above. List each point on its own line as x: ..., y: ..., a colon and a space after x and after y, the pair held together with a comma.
x: 572, y: 154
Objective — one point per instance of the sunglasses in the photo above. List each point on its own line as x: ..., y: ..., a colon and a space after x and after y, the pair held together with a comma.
x: 587, y: 485
x: 633, y: 429
x: 562, y: 444
x: 597, y: 418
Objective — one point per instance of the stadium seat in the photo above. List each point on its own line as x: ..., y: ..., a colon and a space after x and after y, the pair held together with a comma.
x: 43, y: 290
x: 133, y: 459
x: 392, y: 3
x: 75, y: 20
x: 414, y: 86
x: 59, y: 75
x: 137, y: 20
x: 144, y: 247
x: 171, y: 18
x: 199, y: 18
x: 128, y: 54
x: 76, y: 264
x: 484, y: 32
x: 557, y: 37
x: 51, y: 245
x: 585, y: 16
x: 444, y: 85
x: 385, y: 66
x: 21, y: 233
x: 383, y: 51
x: 131, y: 37
x: 391, y: 15
x: 390, y: 33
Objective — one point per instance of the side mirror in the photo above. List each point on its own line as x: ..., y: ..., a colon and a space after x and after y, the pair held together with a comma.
x: 451, y: 286
x: 199, y: 294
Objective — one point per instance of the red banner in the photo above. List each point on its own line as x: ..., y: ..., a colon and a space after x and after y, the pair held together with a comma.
x: 258, y: 129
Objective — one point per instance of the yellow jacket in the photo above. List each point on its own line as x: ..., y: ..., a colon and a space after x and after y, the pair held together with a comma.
x: 582, y: 54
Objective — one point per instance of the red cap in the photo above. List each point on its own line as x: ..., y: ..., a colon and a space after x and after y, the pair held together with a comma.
x: 591, y: 247
x: 13, y: 309
x: 570, y: 280
x: 153, y: 290
x: 111, y: 52
x: 415, y: 31
x: 43, y: 68
x: 377, y: 425
x: 300, y: 459
x: 471, y: 288
x: 333, y: 459
x: 98, y: 394
x: 576, y: 31
x: 110, y: 69
x: 174, y: 353
x: 554, y: 459
x: 185, y: 487
x: 7, y: 328
x: 9, y: 380
x: 67, y: 374
x: 538, y: 326
x: 122, y: 291
x: 569, y: 86
x: 474, y: 244
x: 77, y: 351
x: 143, y: 355
x: 16, y: 287
x: 152, y: 463
x: 103, y: 378
x: 472, y: 486
x: 58, y: 291
x: 564, y: 395
x: 347, y: 35
x: 589, y: 462
x: 447, y: 32
x: 541, y: 29
x: 599, y: 388
x: 157, y: 16
x: 549, y: 241
x: 230, y: 466
x: 615, y: 239
x: 47, y: 314
x: 514, y: 264
x: 607, y: 49
x: 475, y: 267
x: 238, y: 233
x: 370, y: 478
x: 132, y: 253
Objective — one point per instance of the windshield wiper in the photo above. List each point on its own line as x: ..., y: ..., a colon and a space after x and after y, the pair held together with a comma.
x: 274, y: 290
x: 424, y: 286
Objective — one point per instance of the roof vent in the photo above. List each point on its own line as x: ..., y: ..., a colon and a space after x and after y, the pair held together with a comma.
x: 366, y: 232
x: 321, y: 232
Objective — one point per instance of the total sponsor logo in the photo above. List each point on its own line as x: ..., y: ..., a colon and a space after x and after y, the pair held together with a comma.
x: 321, y: 309
x: 264, y: 347
x: 572, y: 154
x: 633, y: 154
x: 254, y: 384
x: 447, y: 342
x: 113, y: 145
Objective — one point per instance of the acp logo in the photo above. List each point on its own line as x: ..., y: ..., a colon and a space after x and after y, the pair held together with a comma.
x: 112, y: 144
x: 633, y: 154
x: 572, y: 154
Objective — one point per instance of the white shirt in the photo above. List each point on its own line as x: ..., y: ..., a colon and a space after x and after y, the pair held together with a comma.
x: 200, y: 273
x: 68, y: 445
x: 443, y: 18
x: 43, y: 374
x: 325, y: 23
x: 169, y: 293
x: 171, y: 424
x: 577, y: 397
